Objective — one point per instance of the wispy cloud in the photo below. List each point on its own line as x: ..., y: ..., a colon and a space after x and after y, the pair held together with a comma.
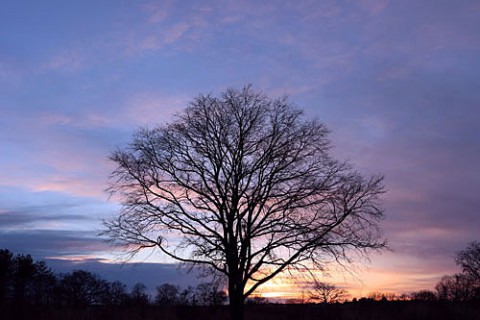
x: 70, y: 61
x: 374, y: 7
x: 145, y: 108
x: 157, y: 11
x: 42, y: 243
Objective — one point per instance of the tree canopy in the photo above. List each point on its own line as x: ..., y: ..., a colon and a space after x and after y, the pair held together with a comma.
x: 244, y: 185
x: 469, y: 260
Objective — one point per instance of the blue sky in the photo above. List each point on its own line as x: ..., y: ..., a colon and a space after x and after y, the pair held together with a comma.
x: 397, y: 82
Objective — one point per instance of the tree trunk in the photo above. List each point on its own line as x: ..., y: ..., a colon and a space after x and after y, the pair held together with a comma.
x: 236, y: 302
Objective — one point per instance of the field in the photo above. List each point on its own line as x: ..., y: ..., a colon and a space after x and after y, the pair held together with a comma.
x: 393, y: 310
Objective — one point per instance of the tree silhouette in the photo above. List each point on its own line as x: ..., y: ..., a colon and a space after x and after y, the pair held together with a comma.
x: 167, y: 295
x: 6, y: 270
x: 469, y: 260
x: 24, y: 271
x: 138, y: 295
x: 457, y: 287
x: 245, y: 185
x: 210, y: 294
x: 326, y: 292
x: 83, y: 288
x: 187, y: 297
x: 42, y: 285
x: 423, y: 295
x: 117, y: 293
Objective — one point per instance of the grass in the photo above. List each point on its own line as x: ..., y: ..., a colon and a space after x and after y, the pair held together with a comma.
x: 392, y: 310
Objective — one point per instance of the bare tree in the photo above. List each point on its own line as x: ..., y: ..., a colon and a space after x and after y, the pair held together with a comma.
x: 423, y: 295
x: 457, y: 287
x: 245, y: 185
x: 257, y: 300
x: 22, y: 277
x: 210, y: 294
x: 117, y: 293
x: 469, y: 260
x: 167, y: 295
x: 326, y: 292
x: 138, y: 295
x: 42, y: 286
x: 83, y: 288
x: 7, y: 269
x: 187, y: 297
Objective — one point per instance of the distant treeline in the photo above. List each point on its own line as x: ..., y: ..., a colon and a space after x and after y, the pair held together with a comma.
x: 24, y: 281
x: 31, y: 290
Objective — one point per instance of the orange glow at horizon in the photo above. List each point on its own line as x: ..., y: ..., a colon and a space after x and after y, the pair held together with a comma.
x: 296, y: 286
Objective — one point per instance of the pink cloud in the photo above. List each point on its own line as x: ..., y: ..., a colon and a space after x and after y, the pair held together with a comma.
x: 90, y: 119
x: 287, y: 89
x: 374, y: 7
x: 83, y: 258
x: 54, y: 159
x: 157, y: 11
x: 74, y: 186
x: 69, y: 60
x: 399, y: 273
x: 138, y: 43
x: 438, y: 36
x: 141, y: 108
x: 322, y: 10
x: 151, y: 108
x: 176, y: 32
x: 150, y: 42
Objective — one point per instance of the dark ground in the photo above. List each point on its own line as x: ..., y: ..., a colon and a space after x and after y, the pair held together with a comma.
x: 411, y: 310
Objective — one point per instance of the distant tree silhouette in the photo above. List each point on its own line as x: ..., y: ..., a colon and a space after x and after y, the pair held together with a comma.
x: 296, y: 301
x: 187, y: 297
x: 82, y: 288
x: 463, y: 286
x: 326, y: 293
x: 117, y: 293
x: 24, y: 271
x: 257, y: 300
x: 457, y: 287
x: 210, y: 294
x: 42, y: 286
x: 382, y: 296
x: 469, y: 260
x: 6, y: 270
x: 138, y: 295
x: 167, y: 295
x: 423, y: 295
x: 24, y: 281
x: 245, y: 185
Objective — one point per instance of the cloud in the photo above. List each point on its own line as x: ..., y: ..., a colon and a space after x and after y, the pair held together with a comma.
x: 31, y: 218
x: 44, y: 243
x: 157, y: 11
x: 151, y: 107
x: 388, y: 273
x: 374, y: 7
x: 160, y: 39
x: 70, y: 61
x: 320, y: 10
x: 55, y: 213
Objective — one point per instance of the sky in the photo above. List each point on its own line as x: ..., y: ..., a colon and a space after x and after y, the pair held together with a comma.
x: 397, y: 83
